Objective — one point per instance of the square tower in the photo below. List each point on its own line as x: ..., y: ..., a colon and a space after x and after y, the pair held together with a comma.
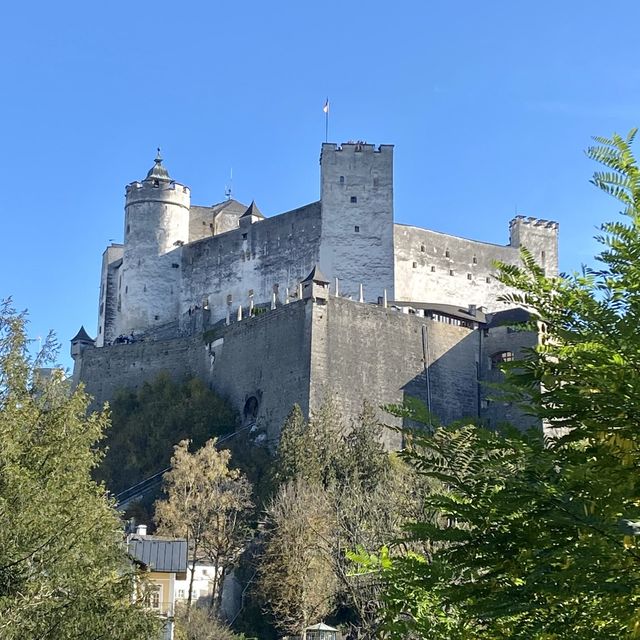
x: 356, y: 244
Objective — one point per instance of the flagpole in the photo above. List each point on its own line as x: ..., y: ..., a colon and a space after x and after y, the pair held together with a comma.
x: 326, y: 120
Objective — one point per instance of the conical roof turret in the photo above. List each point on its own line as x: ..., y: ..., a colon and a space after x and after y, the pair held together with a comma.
x: 158, y: 171
x: 82, y: 336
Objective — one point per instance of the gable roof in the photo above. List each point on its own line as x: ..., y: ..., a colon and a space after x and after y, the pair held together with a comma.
x: 165, y: 555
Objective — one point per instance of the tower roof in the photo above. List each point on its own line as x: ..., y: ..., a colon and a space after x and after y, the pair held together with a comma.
x: 316, y: 276
x: 81, y: 336
x: 158, y: 171
x: 252, y: 210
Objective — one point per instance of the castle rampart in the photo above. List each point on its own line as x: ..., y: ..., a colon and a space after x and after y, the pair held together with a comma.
x: 187, y: 270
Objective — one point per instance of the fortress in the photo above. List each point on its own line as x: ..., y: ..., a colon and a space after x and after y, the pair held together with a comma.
x: 333, y: 299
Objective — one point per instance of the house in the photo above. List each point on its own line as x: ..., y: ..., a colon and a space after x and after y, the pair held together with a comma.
x: 165, y: 561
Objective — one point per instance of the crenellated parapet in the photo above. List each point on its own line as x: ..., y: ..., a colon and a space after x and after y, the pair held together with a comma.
x: 539, y: 237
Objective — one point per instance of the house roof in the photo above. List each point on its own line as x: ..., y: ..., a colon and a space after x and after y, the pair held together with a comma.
x: 452, y: 310
x: 82, y: 336
x: 321, y: 626
x: 164, y: 555
x: 508, y: 316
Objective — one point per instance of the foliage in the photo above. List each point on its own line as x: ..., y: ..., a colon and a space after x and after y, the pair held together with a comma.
x: 197, y: 624
x: 207, y: 502
x: 539, y: 538
x: 340, y: 490
x: 294, y: 575
x: 147, y: 423
x: 64, y: 572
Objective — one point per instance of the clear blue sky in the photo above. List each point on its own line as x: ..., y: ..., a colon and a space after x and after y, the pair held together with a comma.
x: 490, y: 106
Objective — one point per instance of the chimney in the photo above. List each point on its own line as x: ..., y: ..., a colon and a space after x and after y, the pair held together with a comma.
x: 141, y: 530
x: 473, y: 310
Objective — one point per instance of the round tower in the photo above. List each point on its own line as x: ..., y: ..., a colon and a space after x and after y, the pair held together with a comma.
x: 156, y: 225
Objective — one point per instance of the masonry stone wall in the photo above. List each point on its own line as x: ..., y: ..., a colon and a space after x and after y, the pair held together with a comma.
x: 262, y: 365
x: 357, y: 218
x: 440, y: 268
x: 107, y: 311
x: 265, y: 358
x: 495, y: 409
x: 363, y: 352
x: 156, y: 224
x: 269, y: 256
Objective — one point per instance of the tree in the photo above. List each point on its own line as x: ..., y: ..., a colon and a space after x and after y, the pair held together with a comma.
x: 207, y: 503
x: 295, y: 575
x: 341, y: 491
x: 64, y: 571
x: 197, y: 624
x: 147, y: 423
x: 539, y: 537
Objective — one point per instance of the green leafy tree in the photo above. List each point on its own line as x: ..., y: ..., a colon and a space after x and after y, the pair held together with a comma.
x: 207, y: 502
x: 64, y: 571
x: 366, y: 497
x: 147, y: 423
x: 539, y: 537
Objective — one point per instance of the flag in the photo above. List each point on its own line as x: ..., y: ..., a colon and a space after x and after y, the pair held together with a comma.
x: 326, y: 106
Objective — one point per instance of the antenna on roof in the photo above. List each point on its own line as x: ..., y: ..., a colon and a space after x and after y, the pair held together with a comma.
x: 228, y: 189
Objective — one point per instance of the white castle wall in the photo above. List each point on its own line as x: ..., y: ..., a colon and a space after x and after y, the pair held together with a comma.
x: 154, y: 281
x: 357, y: 236
x: 253, y: 261
x: 439, y: 268
x: 156, y: 223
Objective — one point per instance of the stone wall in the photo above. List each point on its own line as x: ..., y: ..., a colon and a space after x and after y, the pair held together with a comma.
x: 357, y: 218
x: 266, y: 358
x: 269, y: 256
x: 363, y: 352
x: 439, y: 268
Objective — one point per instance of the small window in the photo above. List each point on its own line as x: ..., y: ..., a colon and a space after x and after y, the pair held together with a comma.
x: 469, y: 276
x: 156, y: 317
x: 128, y: 228
x: 275, y: 288
x: 488, y: 279
x: 154, y: 597
x: 451, y: 272
x: 244, y: 236
x: 415, y: 265
x: 376, y: 181
x: 156, y: 183
x: 544, y: 255
x: 433, y: 269
x: 175, y: 265
x: 475, y: 260
x: 341, y: 179
x: 229, y: 299
x: 251, y: 293
x: 354, y: 199
x: 126, y: 289
x: 422, y: 248
x: 145, y: 288
x: 446, y: 254
x: 356, y: 229
x: 499, y: 357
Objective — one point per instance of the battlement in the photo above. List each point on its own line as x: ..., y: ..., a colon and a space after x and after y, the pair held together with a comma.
x: 534, y: 222
x: 136, y: 185
x: 158, y: 191
x: 358, y: 146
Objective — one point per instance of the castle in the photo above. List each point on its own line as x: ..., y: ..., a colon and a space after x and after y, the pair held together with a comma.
x: 333, y: 299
